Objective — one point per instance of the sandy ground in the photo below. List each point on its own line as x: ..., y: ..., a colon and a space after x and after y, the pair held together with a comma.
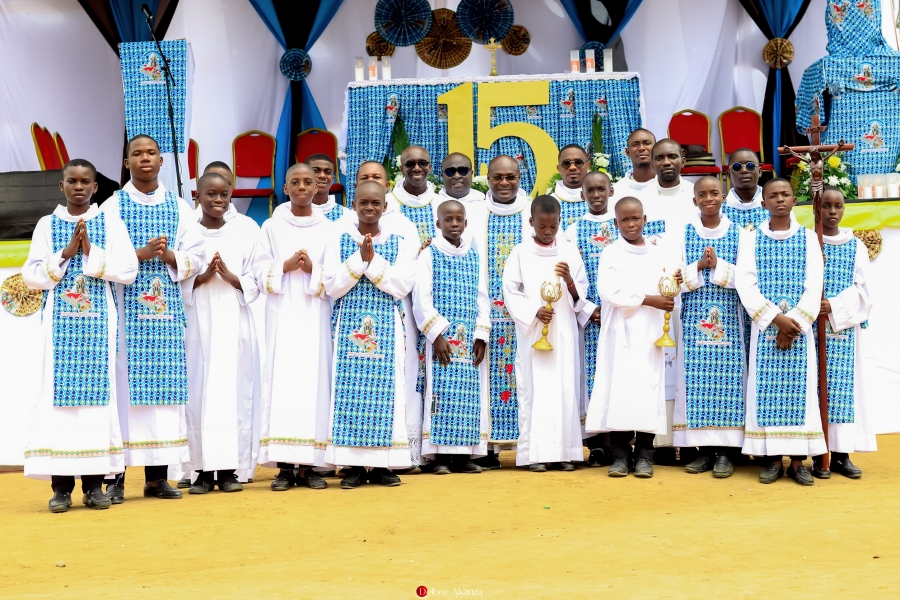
x: 502, y: 534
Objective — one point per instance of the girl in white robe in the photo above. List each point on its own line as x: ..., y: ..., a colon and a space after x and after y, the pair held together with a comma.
x: 76, y: 436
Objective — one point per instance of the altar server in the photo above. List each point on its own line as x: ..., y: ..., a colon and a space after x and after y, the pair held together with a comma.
x: 847, y: 304
x: 451, y: 307
x: 505, y: 226
x: 779, y: 278
x: 324, y: 200
x: 222, y: 356
x: 73, y: 426
x: 549, y: 380
x: 629, y: 388
x: 573, y: 164
x: 457, y: 173
x: 743, y: 205
x: 591, y: 233
x: 297, y: 367
x: 368, y: 270
x: 709, y: 401
x: 151, y: 368
x: 641, y: 176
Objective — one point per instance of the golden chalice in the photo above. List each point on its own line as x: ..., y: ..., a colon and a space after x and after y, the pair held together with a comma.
x: 668, y: 287
x: 550, y: 292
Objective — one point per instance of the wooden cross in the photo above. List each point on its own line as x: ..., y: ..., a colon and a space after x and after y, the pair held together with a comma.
x: 815, y: 158
x: 493, y: 47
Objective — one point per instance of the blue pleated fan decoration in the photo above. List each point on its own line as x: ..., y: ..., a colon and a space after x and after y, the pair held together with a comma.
x: 403, y: 22
x: 295, y: 64
x: 481, y: 20
x: 597, y: 47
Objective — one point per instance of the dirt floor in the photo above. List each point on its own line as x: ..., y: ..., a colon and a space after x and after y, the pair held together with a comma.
x: 502, y: 534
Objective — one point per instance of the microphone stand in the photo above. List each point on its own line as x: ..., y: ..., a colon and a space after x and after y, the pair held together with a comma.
x: 169, y: 77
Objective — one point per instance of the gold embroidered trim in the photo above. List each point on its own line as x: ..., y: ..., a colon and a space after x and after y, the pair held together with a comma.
x: 102, y: 269
x: 38, y: 452
x: 190, y: 267
x: 391, y: 447
x: 429, y: 324
x: 684, y: 427
x: 760, y: 311
x: 151, y: 444
x: 269, y: 279
x: 481, y: 436
x: 380, y: 277
x: 483, y: 328
x: 809, y: 318
x: 50, y: 274
x: 727, y: 276
x: 288, y: 441
x: 350, y: 271
x: 803, y: 435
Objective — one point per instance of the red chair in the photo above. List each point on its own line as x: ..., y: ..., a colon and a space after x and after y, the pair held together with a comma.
x: 193, y: 160
x: 320, y: 141
x: 253, y: 155
x: 692, y: 127
x: 741, y: 127
x: 47, y: 152
x: 61, y: 148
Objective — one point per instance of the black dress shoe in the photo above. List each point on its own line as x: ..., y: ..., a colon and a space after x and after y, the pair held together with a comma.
x: 162, y: 490
x: 383, y: 477
x: 619, y: 468
x: 723, y: 467
x: 60, y: 502
x: 772, y: 473
x: 596, y: 458
x: 470, y: 467
x: 355, y: 477
x: 312, y: 480
x: 284, y: 480
x: 228, y: 482
x: 96, y: 499
x: 202, y: 486
x: 846, y: 468
x: 817, y: 471
x: 801, y: 475
x: 698, y: 465
x: 643, y: 468
x: 490, y: 462
x: 441, y: 469
x: 115, y: 493
x: 537, y: 468
x: 565, y: 466
x: 184, y: 484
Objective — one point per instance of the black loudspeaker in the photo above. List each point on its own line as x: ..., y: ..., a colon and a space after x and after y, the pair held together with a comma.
x: 26, y: 196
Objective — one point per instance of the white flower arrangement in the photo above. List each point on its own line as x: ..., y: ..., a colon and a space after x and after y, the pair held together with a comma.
x: 480, y: 183
x: 600, y: 161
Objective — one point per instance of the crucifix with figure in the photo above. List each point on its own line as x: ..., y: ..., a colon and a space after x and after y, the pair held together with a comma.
x: 815, y: 156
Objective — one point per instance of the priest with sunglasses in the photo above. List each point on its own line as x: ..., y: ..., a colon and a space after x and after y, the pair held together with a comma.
x: 743, y: 205
x: 572, y: 165
x: 456, y: 173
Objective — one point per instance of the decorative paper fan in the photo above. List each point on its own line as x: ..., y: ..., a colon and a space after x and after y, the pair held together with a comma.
x: 402, y: 22
x: 516, y: 41
x: 17, y: 298
x: 295, y: 64
x: 445, y: 46
x: 598, y: 48
x: 378, y: 46
x: 481, y: 20
x: 872, y: 239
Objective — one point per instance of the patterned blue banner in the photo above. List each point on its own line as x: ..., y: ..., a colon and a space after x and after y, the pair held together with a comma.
x: 146, y: 107
x: 372, y: 108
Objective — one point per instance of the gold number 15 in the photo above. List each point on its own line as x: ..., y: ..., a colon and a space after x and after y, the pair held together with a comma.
x: 460, y: 122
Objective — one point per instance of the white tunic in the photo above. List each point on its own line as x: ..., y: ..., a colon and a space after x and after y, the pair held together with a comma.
x: 297, y: 369
x: 222, y: 353
x: 396, y: 280
x: 849, y: 309
x: 628, y: 187
x: 723, y: 276
x: 806, y: 439
x: 548, y: 383
x: 155, y: 435
x: 424, y: 311
x: 75, y: 440
x: 629, y: 385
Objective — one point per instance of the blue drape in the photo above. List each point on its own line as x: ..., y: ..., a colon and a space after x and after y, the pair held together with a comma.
x: 130, y: 21
x: 631, y: 7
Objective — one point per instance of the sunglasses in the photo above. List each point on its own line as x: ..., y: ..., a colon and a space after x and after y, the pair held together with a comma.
x: 421, y: 163
x: 498, y: 177
x: 737, y: 167
x: 452, y: 171
x: 568, y: 163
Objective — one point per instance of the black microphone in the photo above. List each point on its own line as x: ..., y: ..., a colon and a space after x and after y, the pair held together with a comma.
x: 146, y: 10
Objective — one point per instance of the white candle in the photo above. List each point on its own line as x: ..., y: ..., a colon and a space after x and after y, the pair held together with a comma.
x: 574, y: 62
x: 358, y: 63
x: 879, y: 191
x: 607, y: 60
x: 373, y: 68
x: 893, y: 190
x: 589, y: 61
x: 385, y: 67
x: 865, y: 192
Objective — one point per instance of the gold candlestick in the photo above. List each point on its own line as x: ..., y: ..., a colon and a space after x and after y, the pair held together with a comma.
x: 493, y: 47
x: 668, y: 287
x: 550, y: 292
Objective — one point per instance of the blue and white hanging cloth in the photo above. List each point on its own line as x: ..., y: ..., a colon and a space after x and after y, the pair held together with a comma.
x: 572, y: 205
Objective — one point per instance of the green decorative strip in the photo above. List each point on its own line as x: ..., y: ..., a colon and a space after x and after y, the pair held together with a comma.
x: 858, y: 215
x: 13, y: 253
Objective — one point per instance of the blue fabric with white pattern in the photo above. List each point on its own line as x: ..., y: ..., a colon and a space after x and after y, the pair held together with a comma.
x: 781, y: 374
x: 364, y: 371
x: 746, y: 219
x: 154, y: 310
x: 371, y: 112
x: 80, y: 324
x: 456, y: 388
x: 570, y: 211
x: 592, y: 238
x: 335, y: 213
x: 854, y: 28
x: 712, y: 341
x: 840, y: 364
x: 503, y: 234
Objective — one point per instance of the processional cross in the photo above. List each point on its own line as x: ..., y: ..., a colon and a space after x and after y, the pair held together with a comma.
x: 816, y: 157
x: 493, y: 47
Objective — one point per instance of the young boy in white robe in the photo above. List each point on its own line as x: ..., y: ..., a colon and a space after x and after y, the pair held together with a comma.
x: 369, y: 269
x: 73, y: 428
x: 779, y: 278
x: 573, y: 165
x: 451, y: 307
x: 297, y: 367
x: 549, y: 381
x: 629, y: 387
x: 221, y: 343
x: 709, y: 401
x: 847, y: 304
x: 324, y: 201
x: 591, y: 233
x: 151, y: 367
